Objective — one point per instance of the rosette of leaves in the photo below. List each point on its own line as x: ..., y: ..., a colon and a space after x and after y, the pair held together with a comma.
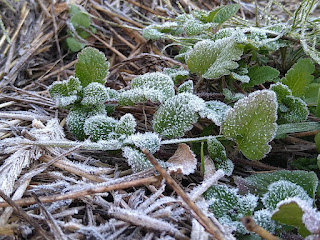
x: 251, y: 123
x: 290, y: 108
x: 85, y: 93
x: 177, y: 114
x: 156, y: 87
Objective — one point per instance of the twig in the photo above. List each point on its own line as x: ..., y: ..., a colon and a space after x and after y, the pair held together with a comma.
x: 251, y: 226
x: 91, y: 191
x: 23, y: 214
x: 204, y: 220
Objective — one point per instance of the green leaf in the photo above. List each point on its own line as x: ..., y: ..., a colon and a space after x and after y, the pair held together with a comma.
x: 215, y: 111
x: 65, y: 93
x: 290, y: 108
x: 136, y: 159
x: 216, y: 149
x: 74, y: 45
x: 311, y: 94
x: 251, y: 123
x: 80, y: 19
x: 77, y: 117
x: 91, y: 66
x: 213, y: 59
x: 195, y: 27
x: 126, y: 125
x: 259, y: 75
x: 299, y: 76
x: 73, y: 9
x: 100, y: 127
x: 94, y: 93
x: 147, y: 140
x: 296, y: 127
x: 223, y: 13
x: 150, y: 86
x: 290, y: 213
x: 281, y: 190
x: 186, y: 87
x: 258, y: 183
x: 176, y: 73
x: 177, y: 114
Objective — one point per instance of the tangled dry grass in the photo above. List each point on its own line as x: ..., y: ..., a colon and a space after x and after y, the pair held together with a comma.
x: 81, y: 194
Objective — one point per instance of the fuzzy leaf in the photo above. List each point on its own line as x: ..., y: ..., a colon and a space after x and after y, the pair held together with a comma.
x: 77, y: 117
x: 100, y: 127
x: 282, y: 190
x: 94, y: 93
x: 258, y: 183
x: 147, y: 140
x: 216, y: 149
x: 150, y: 86
x: 251, y: 123
x: 92, y: 66
x: 126, y: 125
x: 136, y: 159
x: 290, y: 212
x: 215, y: 111
x: 290, y: 108
x: 299, y: 77
x: 183, y: 160
x: 65, y: 93
x: 259, y: 75
x: 213, y: 59
x: 177, y: 114
x: 186, y: 87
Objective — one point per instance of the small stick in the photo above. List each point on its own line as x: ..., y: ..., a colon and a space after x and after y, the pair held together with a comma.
x: 251, y: 226
x: 23, y: 214
x: 204, y: 220
x: 78, y: 194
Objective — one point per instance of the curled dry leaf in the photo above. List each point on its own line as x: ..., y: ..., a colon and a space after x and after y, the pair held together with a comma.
x: 209, y: 168
x: 183, y: 160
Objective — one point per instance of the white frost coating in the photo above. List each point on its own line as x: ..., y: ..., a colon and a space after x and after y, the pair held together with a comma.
x: 186, y: 87
x: 94, y: 93
x: 227, y: 166
x: 136, y: 159
x: 241, y: 78
x: 126, y: 125
x: 263, y: 219
x: 282, y: 190
x: 215, y: 111
x: 148, y: 140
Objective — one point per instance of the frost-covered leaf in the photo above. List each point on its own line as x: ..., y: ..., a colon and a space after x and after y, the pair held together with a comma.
x: 258, y: 183
x: 215, y: 111
x: 291, y: 212
x: 183, y: 160
x: 227, y: 166
x: 65, y: 93
x: 186, y: 87
x: 196, y: 27
x: 94, y: 93
x: 77, y: 117
x: 216, y: 150
x: 100, y: 127
x: 263, y: 219
x: 136, y: 159
x: 158, y: 31
x: 229, y: 96
x: 176, y: 73
x: 150, y: 86
x: 251, y: 123
x: 282, y: 190
x: 92, y: 66
x: 177, y: 114
x: 126, y: 125
x: 220, y: 14
x: 213, y: 59
x: 240, y: 77
x: 147, y: 140
x: 261, y: 74
x: 290, y: 108
x: 299, y: 76
x: 226, y: 201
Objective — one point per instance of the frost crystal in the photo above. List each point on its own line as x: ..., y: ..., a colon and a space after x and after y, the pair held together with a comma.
x: 94, y: 93
x: 227, y: 166
x: 177, y: 114
x: 136, y: 159
x: 150, y: 86
x: 126, y: 125
x: 216, y: 149
x: 215, y: 111
x: 186, y: 87
x: 282, y: 190
x: 148, y: 140
x: 263, y: 219
x: 251, y: 123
